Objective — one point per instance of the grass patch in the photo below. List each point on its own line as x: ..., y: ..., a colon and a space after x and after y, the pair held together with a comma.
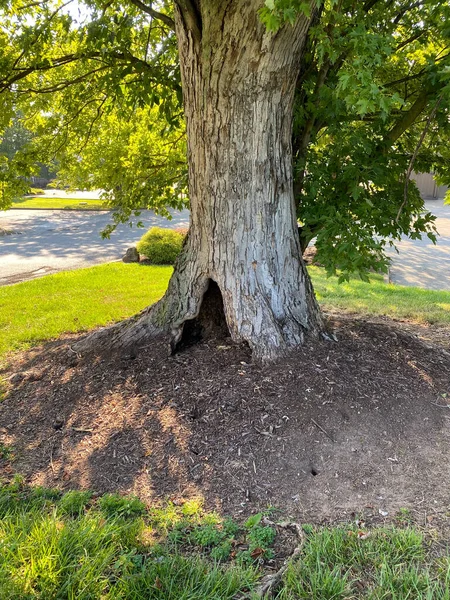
x: 50, y: 203
x: 74, y: 545
x: 379, y: 298
x: 345, y: 563
x: 73, y: 301
x: 70, y: 546
x: 45, y: 308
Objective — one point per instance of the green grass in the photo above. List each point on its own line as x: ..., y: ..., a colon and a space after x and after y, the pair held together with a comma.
x: 49, y: 203
x: 388, y: 564
x: 56, y: 546
x: 78, y: 546
x: 379, y: 298
x: 72, y: 301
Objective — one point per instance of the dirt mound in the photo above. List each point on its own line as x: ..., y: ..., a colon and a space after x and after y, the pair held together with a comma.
x: 358, y: 425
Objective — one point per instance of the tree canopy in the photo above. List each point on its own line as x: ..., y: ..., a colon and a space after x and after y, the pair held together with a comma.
x: 98, y: 83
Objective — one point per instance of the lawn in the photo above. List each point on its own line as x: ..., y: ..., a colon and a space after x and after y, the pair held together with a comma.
x: 49, y: 203
x: 72, y: 301
x: 380, y: 298
x: 79, y: 546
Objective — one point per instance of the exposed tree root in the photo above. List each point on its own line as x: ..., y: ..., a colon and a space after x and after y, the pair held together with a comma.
x: 270, y: 584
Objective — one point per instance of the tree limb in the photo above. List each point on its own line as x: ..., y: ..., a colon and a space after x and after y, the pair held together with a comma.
x: 404, y: 10
x: 414, y: 156
x: 191, y: 17
x: 405, y: 79
x: 413, y: 38
x: 155, y: 14
x: 409, y: 117
x: 22, y: 73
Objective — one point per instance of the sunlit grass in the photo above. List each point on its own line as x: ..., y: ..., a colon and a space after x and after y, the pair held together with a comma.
x: 380, y: 298
x: 45, y: 308
x: 70, y: 546
x: 50, y: 203
x: 78, y: 546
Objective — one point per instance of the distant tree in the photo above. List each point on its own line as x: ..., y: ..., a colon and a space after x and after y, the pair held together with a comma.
x: 315, y: 110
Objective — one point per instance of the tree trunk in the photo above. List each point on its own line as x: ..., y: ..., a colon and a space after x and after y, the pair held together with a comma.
x: 238, y: 84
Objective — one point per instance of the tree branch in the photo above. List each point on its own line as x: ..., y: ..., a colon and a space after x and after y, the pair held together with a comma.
x: 409, y: 117
x: 191, y: 17
x: 155, y: 14
x: 405, y: 79
x: 414, y: 156
x: 413, y: 38
x: 404, y: 10
x: 64, y: 60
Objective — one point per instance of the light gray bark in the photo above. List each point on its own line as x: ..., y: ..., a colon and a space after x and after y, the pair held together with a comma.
x: 238, y: 85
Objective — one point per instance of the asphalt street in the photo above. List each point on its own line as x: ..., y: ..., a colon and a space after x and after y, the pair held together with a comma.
x: 421, y: 263
x: 37, y: 242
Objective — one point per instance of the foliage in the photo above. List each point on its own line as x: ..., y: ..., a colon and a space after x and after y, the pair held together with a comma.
x: 375, y: 79
x: 101, y: 89
x: 161, y: 245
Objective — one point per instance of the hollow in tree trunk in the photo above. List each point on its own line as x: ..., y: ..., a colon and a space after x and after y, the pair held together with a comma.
x: 238, y: 84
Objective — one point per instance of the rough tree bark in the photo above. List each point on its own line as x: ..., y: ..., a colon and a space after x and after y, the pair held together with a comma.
x: 238, y: 84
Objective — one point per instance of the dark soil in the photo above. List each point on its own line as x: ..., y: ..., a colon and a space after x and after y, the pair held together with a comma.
x: 357, y: 426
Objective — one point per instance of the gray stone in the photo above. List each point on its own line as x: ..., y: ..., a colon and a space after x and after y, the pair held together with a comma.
x: 131, y: 256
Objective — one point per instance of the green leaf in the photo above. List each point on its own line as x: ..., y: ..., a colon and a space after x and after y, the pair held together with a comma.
x: 253, y: 520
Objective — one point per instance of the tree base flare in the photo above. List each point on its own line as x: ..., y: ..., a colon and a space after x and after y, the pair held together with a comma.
x: 186, y: 321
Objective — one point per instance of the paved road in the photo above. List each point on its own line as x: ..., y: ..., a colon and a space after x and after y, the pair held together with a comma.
x: 421, y: 263
x: 37, y: 242
x: 42, y: 242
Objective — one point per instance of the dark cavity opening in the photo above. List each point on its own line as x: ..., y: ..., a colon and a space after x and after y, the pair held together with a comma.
x: 314, y: 472
x: 210, y: 322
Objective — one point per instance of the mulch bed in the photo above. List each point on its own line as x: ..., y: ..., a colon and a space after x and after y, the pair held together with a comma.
x: 361, y: 426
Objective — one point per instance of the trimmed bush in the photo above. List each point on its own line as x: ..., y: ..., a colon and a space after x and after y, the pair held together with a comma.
x: 161, y: 246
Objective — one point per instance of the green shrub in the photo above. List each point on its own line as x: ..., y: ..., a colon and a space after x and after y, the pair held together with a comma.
x: 161, y: 246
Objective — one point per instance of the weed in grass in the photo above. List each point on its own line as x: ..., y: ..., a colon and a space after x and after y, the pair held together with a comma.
x: 74, y: 502
x: 260, y: 538
x: 113, y: 505
x: 404, y: 517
